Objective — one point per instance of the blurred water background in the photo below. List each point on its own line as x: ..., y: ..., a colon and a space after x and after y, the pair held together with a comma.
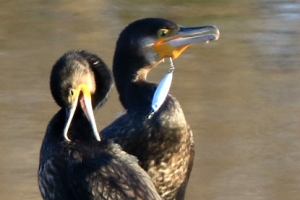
x: 241, y: 94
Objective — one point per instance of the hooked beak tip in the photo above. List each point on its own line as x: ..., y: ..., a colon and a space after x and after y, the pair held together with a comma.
x: 217, y: 34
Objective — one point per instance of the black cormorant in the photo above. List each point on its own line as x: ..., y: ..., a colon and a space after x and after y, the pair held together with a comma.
x: 74, y: 163
x: 164, y: 142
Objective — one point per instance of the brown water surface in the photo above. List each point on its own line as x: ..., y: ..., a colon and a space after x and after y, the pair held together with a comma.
x: 241, y: 94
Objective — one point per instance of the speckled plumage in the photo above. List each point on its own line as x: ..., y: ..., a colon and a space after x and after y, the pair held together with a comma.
x: 164, y: 143
x: 84, y: 168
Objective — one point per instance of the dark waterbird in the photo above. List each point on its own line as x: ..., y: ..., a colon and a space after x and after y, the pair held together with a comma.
x: 74, y: 163
x: 163, y: 143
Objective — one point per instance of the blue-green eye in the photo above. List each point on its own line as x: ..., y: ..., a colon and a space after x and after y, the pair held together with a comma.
x: 162, y: 32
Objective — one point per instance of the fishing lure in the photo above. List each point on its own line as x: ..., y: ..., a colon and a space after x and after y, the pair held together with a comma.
x: 162, y: 90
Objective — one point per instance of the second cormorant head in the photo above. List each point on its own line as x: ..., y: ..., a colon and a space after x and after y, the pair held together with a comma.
x: 146, y: 42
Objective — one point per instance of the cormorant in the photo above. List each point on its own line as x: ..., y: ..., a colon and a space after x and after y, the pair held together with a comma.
x: 164, y: 142
x: 74, y: 162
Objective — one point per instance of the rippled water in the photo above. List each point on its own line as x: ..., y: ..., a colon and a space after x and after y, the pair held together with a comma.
x: 241, y: 94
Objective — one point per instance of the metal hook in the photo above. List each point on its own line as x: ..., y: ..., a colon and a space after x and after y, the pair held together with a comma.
x: 151, y: 114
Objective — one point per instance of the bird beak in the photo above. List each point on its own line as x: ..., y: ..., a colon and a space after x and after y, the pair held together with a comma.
x: 83, y: 95
x: 175, y: 44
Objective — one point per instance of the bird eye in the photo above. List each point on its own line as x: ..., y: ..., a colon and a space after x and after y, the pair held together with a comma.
x: 71, y: 92
x: 162, y: 32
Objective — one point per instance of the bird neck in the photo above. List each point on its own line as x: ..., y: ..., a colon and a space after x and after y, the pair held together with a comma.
x: 130, y: 74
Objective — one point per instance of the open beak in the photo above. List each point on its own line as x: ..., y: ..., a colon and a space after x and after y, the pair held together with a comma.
x: 175, y: 44
x: 83, y: 95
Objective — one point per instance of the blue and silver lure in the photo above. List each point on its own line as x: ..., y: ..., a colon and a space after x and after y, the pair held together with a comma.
x: 162, y: 90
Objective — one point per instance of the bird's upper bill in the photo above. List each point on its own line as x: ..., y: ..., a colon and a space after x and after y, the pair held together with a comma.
x: 171, y: 43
